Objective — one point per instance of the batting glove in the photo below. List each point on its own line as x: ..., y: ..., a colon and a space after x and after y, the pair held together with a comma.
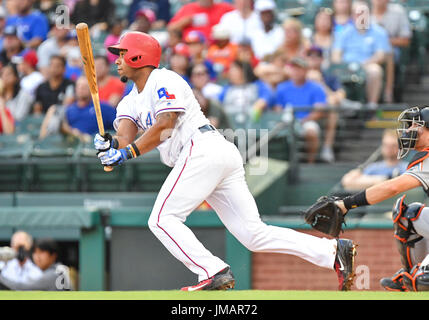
x: 104, y: 143
x: 114, y: 157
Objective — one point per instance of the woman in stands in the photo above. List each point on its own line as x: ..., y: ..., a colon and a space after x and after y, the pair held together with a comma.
x: 323, y: 36
x: 16, y: 100
x: 295, y: 44
x: 243, y: 94
x: 7, y: 124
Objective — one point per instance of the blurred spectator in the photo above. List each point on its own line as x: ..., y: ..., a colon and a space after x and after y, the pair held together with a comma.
x: 97, y: 14
x: 161, y: 8
x: 212, y: 110
x: 243, y: 94
x: 272, y: 69
x: 196, y: 43
x: 331, y: 84
x: 180, y: 61
x: 335, y: 97
x: 17, y: 101
x: 246, y: 54
x: 31, y: 78
x: 389, y: 167
x: 174, y: 37
x: 222, y: 52
x: 80, y: 119
x: 342, y: 15
x: 52, y: 122
x: 56, y: 89
x: 200, y: 80
x: 271, y: 36
x: 10, y: 6
x: 201, y: 15
x: 271, y: 76
x: 32, y: 25
x: 394, y: 19
x: 110, y: 88
x: 21, y: 269
x: 7, y: 124
x: 143, y: 21
x: 323, y: 36
x: 115, y: 31
x: 244, y: 21
x: 295, y: 44
x: 367, y: 44
x: 307, y: 98
x: 2, y: 25
x: 12, y: 45
x: 74, y: 64
x: 48, y: 8
x: 54, y: 277
x: 58, y: 39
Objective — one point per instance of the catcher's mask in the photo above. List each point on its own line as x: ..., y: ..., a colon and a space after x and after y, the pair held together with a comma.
x: 409, y: 123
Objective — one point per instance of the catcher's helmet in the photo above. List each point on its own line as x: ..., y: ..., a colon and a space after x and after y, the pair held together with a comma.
x: 409, y: 121
x: 142, y: 49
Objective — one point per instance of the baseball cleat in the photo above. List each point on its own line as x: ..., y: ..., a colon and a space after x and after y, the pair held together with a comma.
x: 344, y: 263
x: 396, y: 283
x: 223, y: 280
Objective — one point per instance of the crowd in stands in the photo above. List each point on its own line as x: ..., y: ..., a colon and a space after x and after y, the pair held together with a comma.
x: 238, y: 56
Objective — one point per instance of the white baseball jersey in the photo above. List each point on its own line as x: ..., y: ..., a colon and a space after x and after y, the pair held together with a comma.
x: 165, y: 91
x: 206, y: 167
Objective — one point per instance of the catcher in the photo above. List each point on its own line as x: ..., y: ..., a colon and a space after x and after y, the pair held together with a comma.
x: 411, y: 222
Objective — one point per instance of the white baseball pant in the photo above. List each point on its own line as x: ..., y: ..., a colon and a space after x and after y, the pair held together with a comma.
x: 211, y: 168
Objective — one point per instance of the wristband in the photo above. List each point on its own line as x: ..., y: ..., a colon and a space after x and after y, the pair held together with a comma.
x: 132, y: 151
x: 356, y: 200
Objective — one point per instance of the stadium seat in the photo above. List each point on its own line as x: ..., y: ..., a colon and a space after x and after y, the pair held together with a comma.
x: 51, y: 166
x: 421, y: 5
x: 84, y: 199
x: 147, y: 173
x: 15, y: 146
x: 7, y: 199
x: 30, y: 125
x: 54, y: 146
x: 353, y: 78
x: 14, y: 149
x: 304, y: 10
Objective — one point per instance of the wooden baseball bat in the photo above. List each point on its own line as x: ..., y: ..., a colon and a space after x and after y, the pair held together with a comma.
x: 89, y: 67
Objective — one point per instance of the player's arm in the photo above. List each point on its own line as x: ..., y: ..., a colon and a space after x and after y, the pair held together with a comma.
x: 379, y: 192
x: 127, y: 148
x: 126, y: 133
x: 356, y: 180
x: 158, y: 133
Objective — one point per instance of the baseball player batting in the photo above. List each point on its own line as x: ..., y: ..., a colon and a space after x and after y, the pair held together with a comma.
x: 411, y: 222
x: 205, y: 167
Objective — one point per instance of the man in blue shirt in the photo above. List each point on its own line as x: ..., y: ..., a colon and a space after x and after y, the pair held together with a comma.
x: 306, y: 98
x: 367, y: 44
x: 80, y: 119
x: 33, y: 26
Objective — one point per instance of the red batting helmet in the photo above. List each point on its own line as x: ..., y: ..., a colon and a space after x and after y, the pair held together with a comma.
x: 142, y: 49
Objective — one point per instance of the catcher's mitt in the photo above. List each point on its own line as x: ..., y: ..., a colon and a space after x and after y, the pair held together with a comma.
x: 325, y: 216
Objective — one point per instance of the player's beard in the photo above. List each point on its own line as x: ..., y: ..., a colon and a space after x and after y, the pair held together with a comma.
x: 124, y: 79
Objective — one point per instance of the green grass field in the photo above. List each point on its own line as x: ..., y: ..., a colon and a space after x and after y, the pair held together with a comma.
x: 213, y: 295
